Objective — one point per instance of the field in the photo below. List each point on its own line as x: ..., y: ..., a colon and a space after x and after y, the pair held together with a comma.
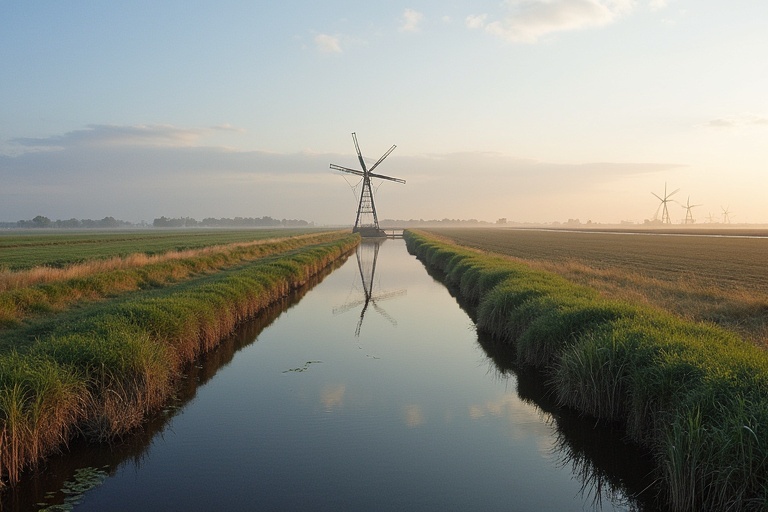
x: 24, y: 250
x: 91, y: 347
x: 702, y: 278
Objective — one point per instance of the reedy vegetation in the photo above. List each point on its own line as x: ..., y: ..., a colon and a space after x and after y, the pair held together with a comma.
x: 101, y: 368
x: 694, y: 394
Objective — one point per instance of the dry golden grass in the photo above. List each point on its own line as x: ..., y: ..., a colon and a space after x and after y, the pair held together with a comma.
x: 700, y: 278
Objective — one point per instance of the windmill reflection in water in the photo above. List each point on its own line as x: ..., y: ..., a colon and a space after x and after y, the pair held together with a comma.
x: 367, y: 254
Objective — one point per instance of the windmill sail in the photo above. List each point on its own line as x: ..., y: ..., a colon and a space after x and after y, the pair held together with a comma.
x: 367, y: 221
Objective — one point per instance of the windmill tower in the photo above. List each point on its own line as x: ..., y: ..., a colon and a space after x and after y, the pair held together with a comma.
x: 367, y: 254
x: 710, y: 218
x: 367, y: 222
x: 663, y: 205
x: 688, y: 215
x: 726, y: 215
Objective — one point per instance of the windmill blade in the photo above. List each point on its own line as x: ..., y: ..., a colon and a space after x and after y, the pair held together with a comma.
x: 359, y: 154
x: 384, y: 314
x: 389, y: 178
x: 389, y: 295
x: 385, y: 155
x: 653, y: 193
x: 672, y: 193
x: 348, y: 306
x: 347, y: 169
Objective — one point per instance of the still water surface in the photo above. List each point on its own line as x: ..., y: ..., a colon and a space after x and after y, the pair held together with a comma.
x: 398, y: 409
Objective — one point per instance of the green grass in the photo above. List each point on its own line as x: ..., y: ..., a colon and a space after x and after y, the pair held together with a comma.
x: 25, y: 250
x: 56, y: 291
x: 694, y: 394
x: 100, y: 368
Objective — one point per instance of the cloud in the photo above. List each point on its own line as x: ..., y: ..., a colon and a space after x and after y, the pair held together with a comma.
x: 327, y: 44
x: 143, y: 172
x: 526, y: 21
x: 410, y: 20
x: 738, y: 121
x: 110, y: 135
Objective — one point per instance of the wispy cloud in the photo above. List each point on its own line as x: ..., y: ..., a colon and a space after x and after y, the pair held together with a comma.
x: 738, y: 121
x: 411, y: 20
x: 327, y: 44
x: 527, y: 21
x: 102, y: 135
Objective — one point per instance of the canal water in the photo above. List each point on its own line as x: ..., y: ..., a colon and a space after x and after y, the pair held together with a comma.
x: 372, y: 391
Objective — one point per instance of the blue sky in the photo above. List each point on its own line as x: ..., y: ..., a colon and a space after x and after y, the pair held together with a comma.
x: 533, y: 110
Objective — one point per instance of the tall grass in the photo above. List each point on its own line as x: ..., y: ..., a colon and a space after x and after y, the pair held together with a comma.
x: 43, y: 289
x: 100, y: 369
x: 694, y: 394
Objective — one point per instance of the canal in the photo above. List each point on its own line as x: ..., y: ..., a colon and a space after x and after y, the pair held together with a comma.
x: 371, y: 391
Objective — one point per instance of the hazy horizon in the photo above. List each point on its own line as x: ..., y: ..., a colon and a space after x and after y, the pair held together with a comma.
x: 530, y: 110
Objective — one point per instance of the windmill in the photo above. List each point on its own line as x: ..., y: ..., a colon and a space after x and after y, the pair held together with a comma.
x: 367, y: 222
x: 688, y: 215
x: 726, y: 215
x: 665, y: 213
x: 367, y: 254
x: 710, y: 218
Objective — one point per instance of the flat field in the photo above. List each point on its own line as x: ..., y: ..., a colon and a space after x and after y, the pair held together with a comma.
x: 26, y: 249
x: 718, y: 279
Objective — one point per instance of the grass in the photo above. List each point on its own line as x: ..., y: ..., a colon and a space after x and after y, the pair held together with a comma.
x: 98, y: 369
x: 699, y: 278
x: 42, y: 290
x: 694, y: 394
x: 59, y: 249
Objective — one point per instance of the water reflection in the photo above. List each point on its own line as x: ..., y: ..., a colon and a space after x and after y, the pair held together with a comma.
x: 609, y: 468
x: 367, y: 254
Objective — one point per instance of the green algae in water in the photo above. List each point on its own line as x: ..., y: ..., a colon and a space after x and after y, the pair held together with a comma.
x: 73, y: 490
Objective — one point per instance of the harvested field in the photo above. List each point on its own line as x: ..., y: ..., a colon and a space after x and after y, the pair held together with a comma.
x: 715, y: 279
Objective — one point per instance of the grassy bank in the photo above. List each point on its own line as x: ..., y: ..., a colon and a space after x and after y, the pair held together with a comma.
x: 98, y: 369
x: 42, y: 290
x: 714, y: 279
x: 694, y: 394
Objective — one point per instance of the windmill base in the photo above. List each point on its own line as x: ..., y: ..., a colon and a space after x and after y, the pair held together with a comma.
x: 370, y: 232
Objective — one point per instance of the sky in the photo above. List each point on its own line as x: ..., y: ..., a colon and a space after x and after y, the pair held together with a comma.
x: 529, y: 110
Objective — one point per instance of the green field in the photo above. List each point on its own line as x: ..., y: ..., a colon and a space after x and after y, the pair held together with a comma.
x: 27, y: 249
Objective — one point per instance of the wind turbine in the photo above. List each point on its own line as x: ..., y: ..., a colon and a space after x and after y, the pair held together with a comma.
x: 367, y: 222
x: 726, y: 215
x: 665, y: 212
x: 688, y: 215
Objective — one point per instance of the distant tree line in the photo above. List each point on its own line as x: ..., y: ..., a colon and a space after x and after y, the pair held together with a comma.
x: 44, y: 222
x: 163, y: 222
x: 237, y: 222
x: 434, y: 222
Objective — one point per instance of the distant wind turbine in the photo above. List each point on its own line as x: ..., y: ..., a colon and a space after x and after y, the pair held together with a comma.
x: 688, y: 215
x: 663, y: 205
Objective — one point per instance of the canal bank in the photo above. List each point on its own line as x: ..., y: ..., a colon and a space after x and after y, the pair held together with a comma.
x: 693, y: 394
